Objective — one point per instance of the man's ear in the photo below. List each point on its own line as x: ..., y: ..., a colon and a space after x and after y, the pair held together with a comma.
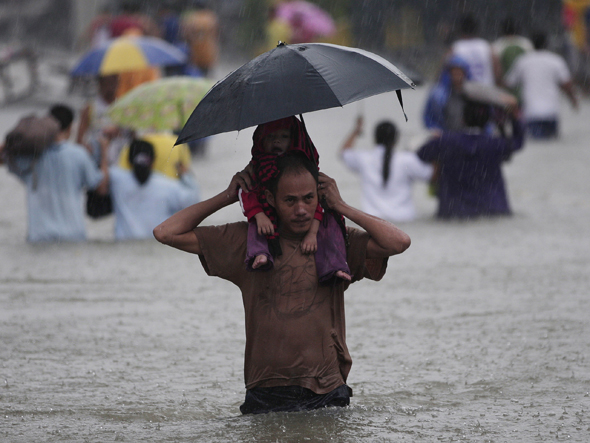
x: 269, y: 197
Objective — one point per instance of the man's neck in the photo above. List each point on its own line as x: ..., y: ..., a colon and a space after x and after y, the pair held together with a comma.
x: 62, y: 136
x: 290, y: 236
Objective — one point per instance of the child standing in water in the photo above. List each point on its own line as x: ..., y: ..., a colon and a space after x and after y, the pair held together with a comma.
x: 272, y: 140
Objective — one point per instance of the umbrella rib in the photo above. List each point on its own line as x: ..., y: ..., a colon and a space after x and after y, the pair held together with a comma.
x: 319, y: 75
x: 241, y: 100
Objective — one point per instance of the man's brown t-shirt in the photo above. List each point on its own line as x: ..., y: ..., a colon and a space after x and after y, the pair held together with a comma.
x: 295, y: 328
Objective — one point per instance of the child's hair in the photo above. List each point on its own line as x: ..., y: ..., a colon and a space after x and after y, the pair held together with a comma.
x: 141, y: 158
x: 386, y: 135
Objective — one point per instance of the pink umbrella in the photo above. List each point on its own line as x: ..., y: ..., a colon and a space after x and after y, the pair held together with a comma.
x: 307, y: 20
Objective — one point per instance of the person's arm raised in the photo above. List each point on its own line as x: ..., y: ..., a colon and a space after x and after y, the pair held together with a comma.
x: 351, y: 139
x: 386, y: 239
x: 177, y: 231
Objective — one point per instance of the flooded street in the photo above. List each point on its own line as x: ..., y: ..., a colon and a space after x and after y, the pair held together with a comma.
x: 480, y: 332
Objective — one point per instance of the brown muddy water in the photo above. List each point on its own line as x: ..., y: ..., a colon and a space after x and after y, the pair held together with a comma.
x: 480, y: 332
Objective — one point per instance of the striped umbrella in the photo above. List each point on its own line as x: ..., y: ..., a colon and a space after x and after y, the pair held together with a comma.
x: 128, y: 54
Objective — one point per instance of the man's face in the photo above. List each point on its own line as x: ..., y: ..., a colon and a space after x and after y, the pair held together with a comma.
x: 295, y: 202
x: 277, y: 142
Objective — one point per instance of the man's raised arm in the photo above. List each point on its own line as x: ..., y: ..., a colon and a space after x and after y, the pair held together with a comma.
x: 177, y: 231
x: 386, y: 239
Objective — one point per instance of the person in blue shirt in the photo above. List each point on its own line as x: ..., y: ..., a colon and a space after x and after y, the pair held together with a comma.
x: 144, y: 198
x: 56, y: 182
x: 470, y: 181
x: 444, y: 106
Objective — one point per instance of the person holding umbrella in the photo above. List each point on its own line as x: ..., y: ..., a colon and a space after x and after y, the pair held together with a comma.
x: 296, y: 356
x: 272, y: 140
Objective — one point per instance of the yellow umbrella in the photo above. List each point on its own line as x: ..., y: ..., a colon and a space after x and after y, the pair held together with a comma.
x: 128, y: 54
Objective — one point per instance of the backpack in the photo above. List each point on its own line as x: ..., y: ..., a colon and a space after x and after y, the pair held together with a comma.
x: 31, y: 136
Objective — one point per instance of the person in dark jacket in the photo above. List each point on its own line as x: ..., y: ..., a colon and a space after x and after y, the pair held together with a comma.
x: 470, y: 182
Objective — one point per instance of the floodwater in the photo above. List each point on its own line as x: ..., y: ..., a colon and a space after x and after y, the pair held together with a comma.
x: 480, y: 332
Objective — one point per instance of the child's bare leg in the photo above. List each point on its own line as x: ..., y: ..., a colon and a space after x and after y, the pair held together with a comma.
x: 341, y: 274
x: 265, y: 227
x: 331, y: 255
x: 259, y: 261
x: 257, y: 254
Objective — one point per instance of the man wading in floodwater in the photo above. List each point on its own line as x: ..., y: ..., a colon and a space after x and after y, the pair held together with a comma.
x: 296, y: 356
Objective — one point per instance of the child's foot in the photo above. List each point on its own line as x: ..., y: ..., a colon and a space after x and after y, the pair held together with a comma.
x: 343, y: 275
x: 259, y: 261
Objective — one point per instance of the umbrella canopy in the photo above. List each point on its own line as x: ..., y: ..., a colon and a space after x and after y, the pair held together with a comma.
x: 307, y: 20
x: 159, y: 105
x: 128, y: 54
x: 290, y: 80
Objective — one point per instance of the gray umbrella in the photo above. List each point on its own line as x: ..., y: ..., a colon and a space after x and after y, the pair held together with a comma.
x: 290, y: 80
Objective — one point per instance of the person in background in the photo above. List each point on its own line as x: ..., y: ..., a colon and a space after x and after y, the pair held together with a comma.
x: 95, y: 123
x: 477, y: 52
x: 541, y: 75
x: 131, y: 18
x: 168, y: 158
x: 129, y: 80
x: 55, y: 184
x: 169, y: 22
x: 98, y: 31
x: 277, y: 30
x: 200, y: 29
x: 470, y: 182
x: 444, y: 106
x: 510, y: 45
x: 143, y: 198
x: 387, y: 176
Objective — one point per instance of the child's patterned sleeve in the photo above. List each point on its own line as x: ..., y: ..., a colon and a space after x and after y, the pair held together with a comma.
x: 319, y: 213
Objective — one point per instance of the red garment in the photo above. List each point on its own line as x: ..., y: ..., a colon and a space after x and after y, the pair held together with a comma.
x: 123, y: 23
x: 265, y: 164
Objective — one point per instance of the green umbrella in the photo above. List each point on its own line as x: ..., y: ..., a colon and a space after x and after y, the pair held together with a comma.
x: 161, y: 105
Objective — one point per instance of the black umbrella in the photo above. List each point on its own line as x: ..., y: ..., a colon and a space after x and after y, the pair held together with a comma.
x: 290, y: 80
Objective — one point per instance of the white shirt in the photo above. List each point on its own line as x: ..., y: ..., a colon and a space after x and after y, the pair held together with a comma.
x: 394, y: 201
x: 477, y: 53
x: 540, y: 74
x: 139, y: 209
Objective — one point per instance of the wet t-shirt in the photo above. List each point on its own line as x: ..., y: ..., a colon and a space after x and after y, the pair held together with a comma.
x: 295, y: 329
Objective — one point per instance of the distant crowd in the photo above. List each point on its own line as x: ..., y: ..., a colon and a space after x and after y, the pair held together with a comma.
x: 487, y: 98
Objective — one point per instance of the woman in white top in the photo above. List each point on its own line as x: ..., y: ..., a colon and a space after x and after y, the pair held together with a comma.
x: 386, y: 176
